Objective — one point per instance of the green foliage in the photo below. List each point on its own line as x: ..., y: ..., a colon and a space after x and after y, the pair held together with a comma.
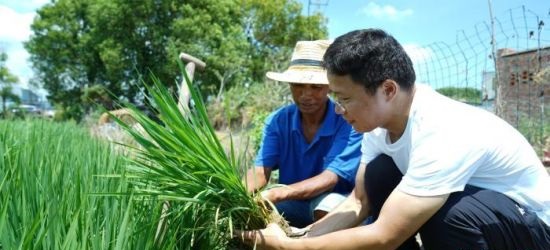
x: 256, y: 132
x: 97, y: 95
x: 273, y: 28
x: 61, y: 189
x: 74, y: 112
x: 182, y: 161
x: 240, y: 106
x: 49, y: 173
x: 243, y: 110
x: 6, y: 78
x: 6, y: 95
x: 468, y: 95
x: 106, y: 43
x: 536, y: 130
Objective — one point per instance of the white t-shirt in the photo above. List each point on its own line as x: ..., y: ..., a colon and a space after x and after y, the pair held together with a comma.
x: 448, y: 144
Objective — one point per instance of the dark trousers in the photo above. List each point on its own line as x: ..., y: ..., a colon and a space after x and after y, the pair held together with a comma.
x: 473, y: 219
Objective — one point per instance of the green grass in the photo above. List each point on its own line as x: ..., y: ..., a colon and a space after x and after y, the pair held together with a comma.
x: 49, y: 173
x: 468, y: 95
x: 536, y: 130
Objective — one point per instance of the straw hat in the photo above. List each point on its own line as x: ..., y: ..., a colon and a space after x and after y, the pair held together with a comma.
x: 305, y: 64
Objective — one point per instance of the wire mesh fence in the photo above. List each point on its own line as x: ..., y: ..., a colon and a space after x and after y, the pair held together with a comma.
x: 502, y: 65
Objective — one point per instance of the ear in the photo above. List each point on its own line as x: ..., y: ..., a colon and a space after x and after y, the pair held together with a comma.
x: 389, y: 89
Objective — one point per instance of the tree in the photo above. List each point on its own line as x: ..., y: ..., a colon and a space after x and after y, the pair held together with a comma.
x: 6, y: 79
x: 111, y: 43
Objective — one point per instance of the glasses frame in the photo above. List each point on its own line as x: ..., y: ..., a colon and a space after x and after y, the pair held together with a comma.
x: 338, y: 103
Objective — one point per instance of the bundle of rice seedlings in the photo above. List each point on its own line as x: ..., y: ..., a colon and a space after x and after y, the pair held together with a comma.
x: 180, y: 160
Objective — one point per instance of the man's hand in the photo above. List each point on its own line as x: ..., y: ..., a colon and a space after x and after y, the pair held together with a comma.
x: 299, y: 232
x: 276, y: 194
x: 303, y: 190
x: 256, y: 178
x: 272, y: 237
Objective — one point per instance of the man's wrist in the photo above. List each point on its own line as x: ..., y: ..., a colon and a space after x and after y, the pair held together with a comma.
x: 277, y: 194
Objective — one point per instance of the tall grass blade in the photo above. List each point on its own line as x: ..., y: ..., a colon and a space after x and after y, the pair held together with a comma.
x: 121, y: 239
x: 181, y: 160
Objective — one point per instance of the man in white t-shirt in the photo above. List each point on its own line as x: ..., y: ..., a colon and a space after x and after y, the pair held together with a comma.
x: 462, y: 177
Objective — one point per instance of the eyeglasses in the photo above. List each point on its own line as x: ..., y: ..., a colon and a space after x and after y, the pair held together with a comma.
x: 338, y: 102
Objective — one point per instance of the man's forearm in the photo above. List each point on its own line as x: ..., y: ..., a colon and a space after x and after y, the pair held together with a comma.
x: 311, y: 187
x: 348, y: 214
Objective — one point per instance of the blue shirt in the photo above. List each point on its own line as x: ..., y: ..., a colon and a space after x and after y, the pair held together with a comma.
x: 336, y: 147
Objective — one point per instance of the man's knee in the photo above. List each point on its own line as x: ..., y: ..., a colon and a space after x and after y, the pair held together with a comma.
x: 324, y: 203
x: 381, y: 166
x: 381, y: 177
x: 453, y: 226
x: 480, y: 219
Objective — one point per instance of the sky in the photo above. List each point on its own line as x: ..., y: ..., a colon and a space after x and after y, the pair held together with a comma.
x: 412, y: 22
x: 16, y: 17
x: 415, y: 23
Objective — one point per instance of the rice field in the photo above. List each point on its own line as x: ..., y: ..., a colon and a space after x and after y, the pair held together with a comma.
x: 174, y: 187
x: 55, y: 182
x: 177, y: 187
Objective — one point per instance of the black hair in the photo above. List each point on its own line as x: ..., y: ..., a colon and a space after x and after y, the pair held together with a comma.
x: 370, y: 56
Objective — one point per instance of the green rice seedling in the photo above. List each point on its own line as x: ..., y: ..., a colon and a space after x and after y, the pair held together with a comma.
x: 48, y: 172
x: 183, y: 162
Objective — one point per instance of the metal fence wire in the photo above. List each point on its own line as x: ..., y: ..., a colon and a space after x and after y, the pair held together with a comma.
x: 502, y: 65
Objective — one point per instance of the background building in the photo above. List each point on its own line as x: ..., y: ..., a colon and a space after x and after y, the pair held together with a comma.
x: 27, y: 96
x: 522, y: 92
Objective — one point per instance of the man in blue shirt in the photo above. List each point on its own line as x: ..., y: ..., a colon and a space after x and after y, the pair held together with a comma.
x: 316, y: 152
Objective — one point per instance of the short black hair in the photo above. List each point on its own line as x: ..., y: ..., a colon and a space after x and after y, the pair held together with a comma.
x: 370, y: 56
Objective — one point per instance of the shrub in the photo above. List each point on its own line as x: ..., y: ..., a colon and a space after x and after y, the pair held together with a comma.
x: 240, y: 106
